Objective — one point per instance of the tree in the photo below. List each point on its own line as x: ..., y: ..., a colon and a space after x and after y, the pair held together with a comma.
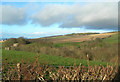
x: 22, y: 40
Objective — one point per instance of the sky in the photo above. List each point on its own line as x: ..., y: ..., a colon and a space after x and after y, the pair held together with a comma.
x: 41, y: 19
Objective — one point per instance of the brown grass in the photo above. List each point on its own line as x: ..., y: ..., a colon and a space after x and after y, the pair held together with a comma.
x: 82, y: 38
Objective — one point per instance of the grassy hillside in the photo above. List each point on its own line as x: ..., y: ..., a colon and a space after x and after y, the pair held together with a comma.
x: 113, y: 39
x: 98, y: 49
x: 80, y: 37
x: 14, y: 57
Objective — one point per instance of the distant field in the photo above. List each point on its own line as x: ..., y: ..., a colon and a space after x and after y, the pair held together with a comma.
x: 79, y: 38
x: 111, y: 40
x: 14, y: 57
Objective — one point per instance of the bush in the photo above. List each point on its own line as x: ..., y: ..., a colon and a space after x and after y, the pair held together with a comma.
x: 98, y: 39
x: 10, y: 42
x: 21, y: 40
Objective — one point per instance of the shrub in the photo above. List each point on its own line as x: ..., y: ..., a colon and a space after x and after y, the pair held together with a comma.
x: 98, y: 39
x: 21, y: 40
x: 10, y: 42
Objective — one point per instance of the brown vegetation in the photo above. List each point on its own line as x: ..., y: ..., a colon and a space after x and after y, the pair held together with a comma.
x: 81, y: 38
x: 38, y: 72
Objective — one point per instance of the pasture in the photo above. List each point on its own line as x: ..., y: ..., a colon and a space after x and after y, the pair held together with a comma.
x: 14, y: 57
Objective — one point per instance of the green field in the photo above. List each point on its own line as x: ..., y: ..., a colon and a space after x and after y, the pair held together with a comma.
x: 112, y: 40
x: 67, y: 44
x: 14, y: 57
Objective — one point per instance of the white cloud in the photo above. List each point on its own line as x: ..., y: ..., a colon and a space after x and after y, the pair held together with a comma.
x: 39, y: 33
x: 92, y: 15
x: 12, y: 15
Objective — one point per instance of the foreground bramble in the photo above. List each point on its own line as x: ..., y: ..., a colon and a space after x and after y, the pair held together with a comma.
x: 46, y: 72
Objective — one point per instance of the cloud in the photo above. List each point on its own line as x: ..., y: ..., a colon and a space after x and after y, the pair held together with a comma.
x: 39, y: 33
x: 90, y: 15
x: 60, y: 1
x: 12, y: 15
